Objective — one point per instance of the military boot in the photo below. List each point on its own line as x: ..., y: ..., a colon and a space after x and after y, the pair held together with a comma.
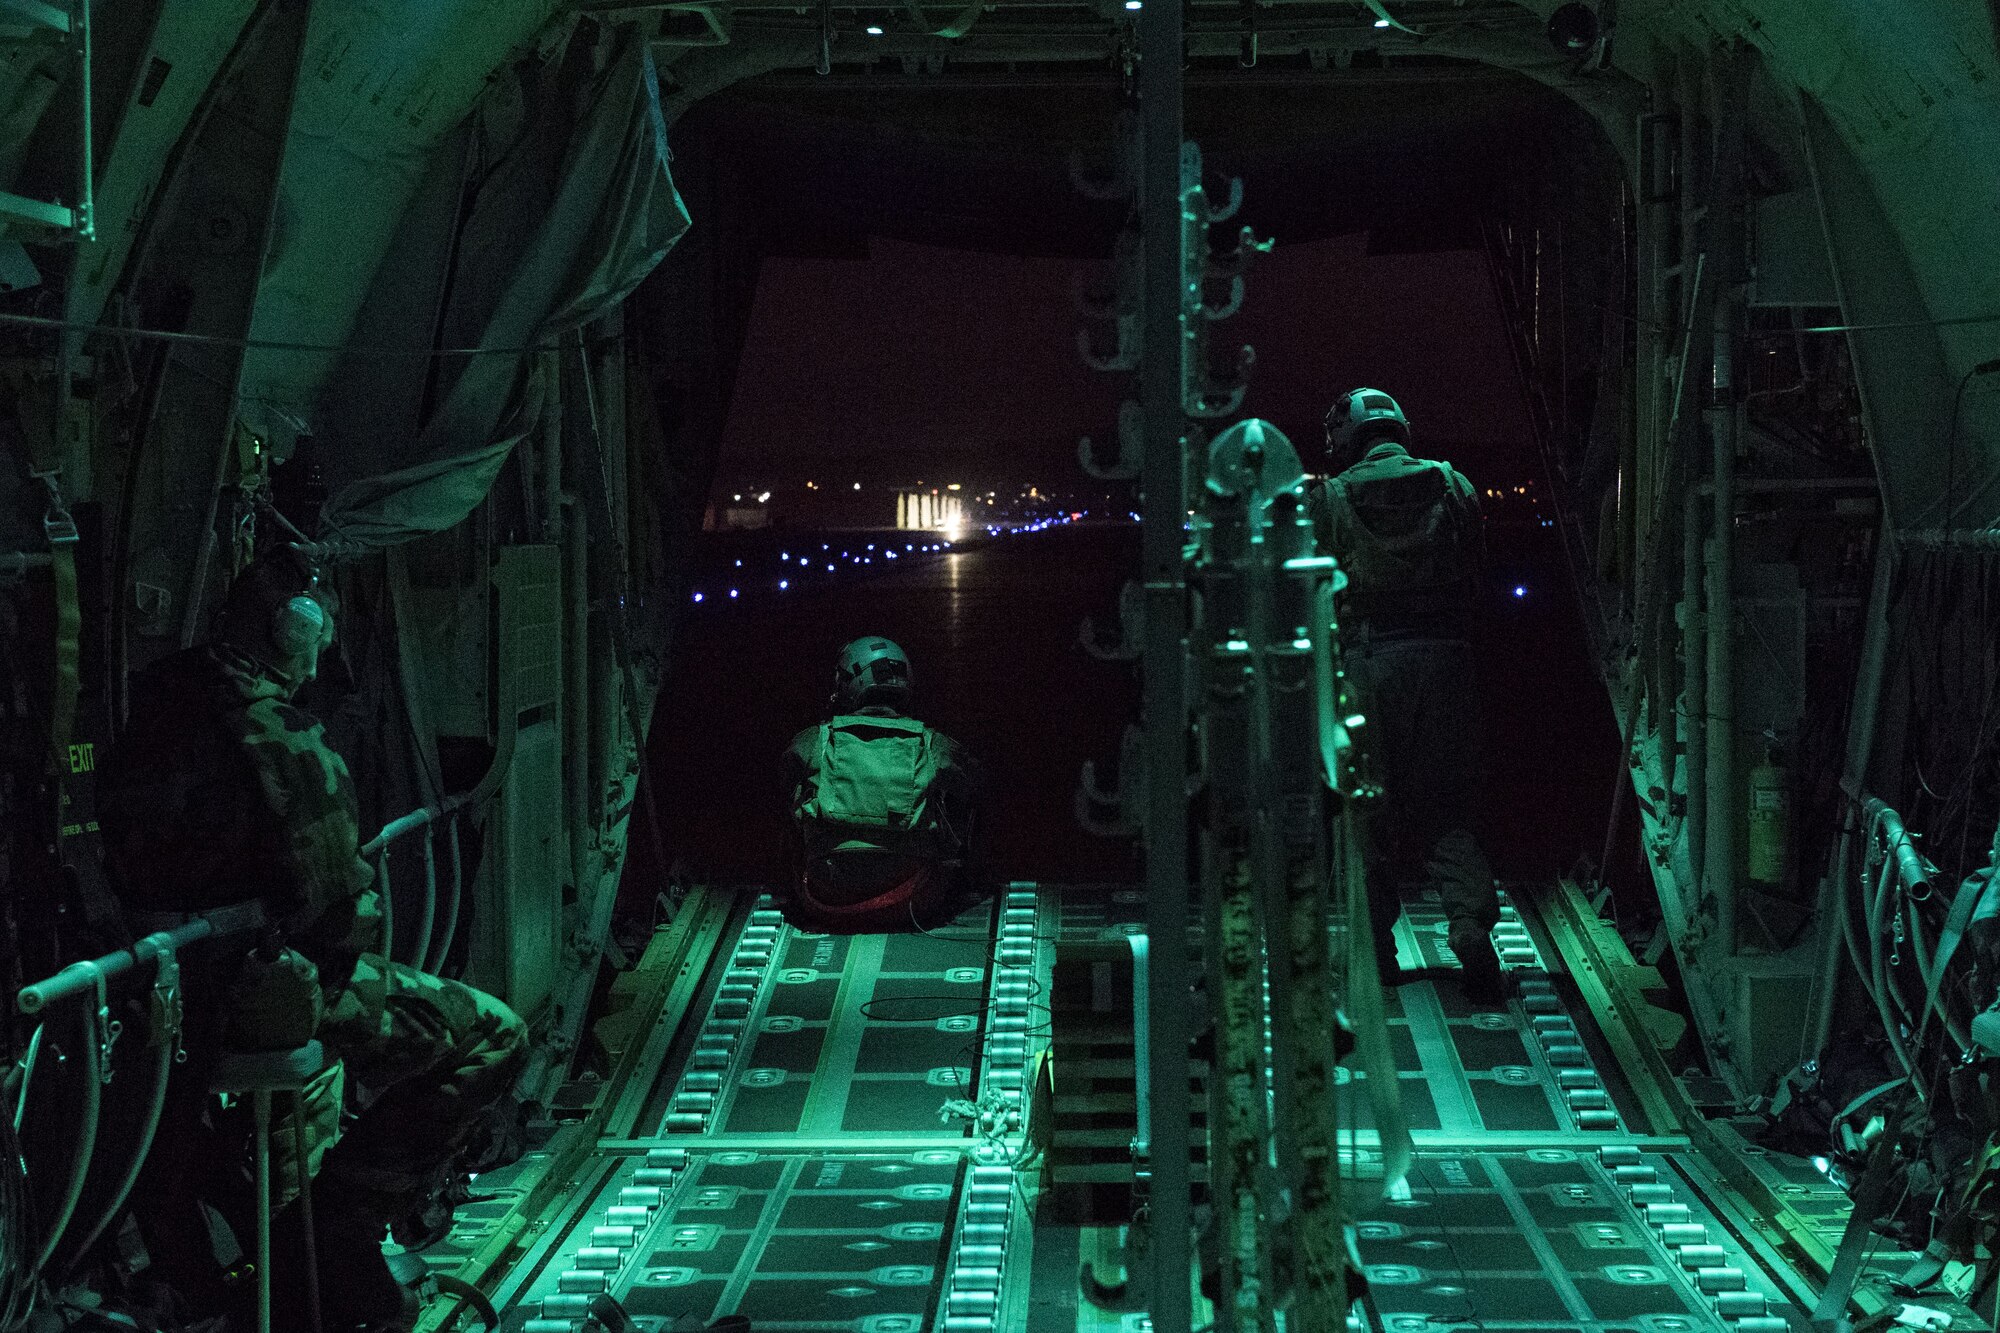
x: 1479, y: 966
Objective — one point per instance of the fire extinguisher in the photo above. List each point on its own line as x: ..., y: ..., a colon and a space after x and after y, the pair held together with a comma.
x: 1770, y: 817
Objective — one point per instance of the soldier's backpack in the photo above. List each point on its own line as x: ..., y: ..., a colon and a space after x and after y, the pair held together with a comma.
x: 1408, y: 550
x: 870, y: 787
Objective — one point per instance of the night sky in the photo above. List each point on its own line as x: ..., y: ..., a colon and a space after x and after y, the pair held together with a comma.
x: 919, y: 348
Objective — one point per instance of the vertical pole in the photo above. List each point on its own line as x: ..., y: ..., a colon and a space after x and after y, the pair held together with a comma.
x: 86, y: 206
x: 573, y: 534
x: 1719, y: 830
x: 1694, y: 680
x: 1726, y: 220
x: 260, y: 1112
x: 1164, y: 705
x: 1854, y: 780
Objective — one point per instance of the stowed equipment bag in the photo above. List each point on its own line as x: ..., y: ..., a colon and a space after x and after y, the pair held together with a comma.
x: 870, y: 787
x: 1402, y: 540
x: 875, y: 835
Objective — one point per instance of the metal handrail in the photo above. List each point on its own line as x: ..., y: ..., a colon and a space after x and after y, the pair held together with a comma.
x: 431, y: 942
x: 1901, y: 870
x: 409, y: 823
x: 1910, y: 865
x: 77, y: 978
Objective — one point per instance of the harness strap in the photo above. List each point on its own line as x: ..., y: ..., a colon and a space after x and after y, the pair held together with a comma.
x: 1871, y: 1192
x: 71, y: 764
x: 1955, y: 925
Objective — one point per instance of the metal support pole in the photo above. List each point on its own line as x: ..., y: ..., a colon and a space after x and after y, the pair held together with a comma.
x: 1727, y: 222
x: 1164, y: 706
x: 1720, y: 828
x: 1694, y: 681
x: 260, y: 1110
x: 1854, y: 777
x: 86, y: 218
x: 77, y: 978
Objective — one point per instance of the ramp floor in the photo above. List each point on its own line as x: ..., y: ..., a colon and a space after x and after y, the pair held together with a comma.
x: 825, y: 1149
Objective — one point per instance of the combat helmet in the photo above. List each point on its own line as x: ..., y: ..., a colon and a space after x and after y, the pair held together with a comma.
x: 871, y: 670
x: 1358, y: 418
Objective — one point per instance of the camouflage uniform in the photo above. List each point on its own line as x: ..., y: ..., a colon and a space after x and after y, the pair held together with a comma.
x: 223, y: 791
x: 1406, y: 531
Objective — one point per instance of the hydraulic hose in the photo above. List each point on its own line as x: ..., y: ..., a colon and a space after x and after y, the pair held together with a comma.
x: 166, y: 990
x: 449, y: 934
x: 86, y: 1138
x: 427, y: 919
x: 1863, y: 969
x: 1882, y: 917
x: 28, y: 1074
x: 385, y: 891
x: 1878, y: 970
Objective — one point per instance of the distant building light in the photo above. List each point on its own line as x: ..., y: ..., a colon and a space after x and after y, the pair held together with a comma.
x: 857, y: 485
x: 1519, y: 591
x: 874, y: 30
x: 732, y: 592
x: 697, y: 597
x: 736, y: 497
x: 783, y: 584
x: 764, y: 497
x: 954, y: 486
x: 1381, y: 23
x: 1132, y: 4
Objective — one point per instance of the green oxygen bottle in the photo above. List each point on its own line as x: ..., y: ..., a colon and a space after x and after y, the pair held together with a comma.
x: 1769, y: 818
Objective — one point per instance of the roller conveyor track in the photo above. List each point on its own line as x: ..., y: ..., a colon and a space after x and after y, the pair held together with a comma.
x: 785, y: 1157
x: 1531, y: 1203
x: 799, y: 1167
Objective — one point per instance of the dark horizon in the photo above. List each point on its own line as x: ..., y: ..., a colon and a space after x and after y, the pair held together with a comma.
x: 856, y: 364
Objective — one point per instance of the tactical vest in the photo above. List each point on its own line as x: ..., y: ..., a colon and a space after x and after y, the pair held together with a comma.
x: 870, y: 787
x: 1404, y: 547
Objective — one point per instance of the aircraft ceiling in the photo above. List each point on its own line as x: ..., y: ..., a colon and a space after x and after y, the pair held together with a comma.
x: 1906, y: 97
